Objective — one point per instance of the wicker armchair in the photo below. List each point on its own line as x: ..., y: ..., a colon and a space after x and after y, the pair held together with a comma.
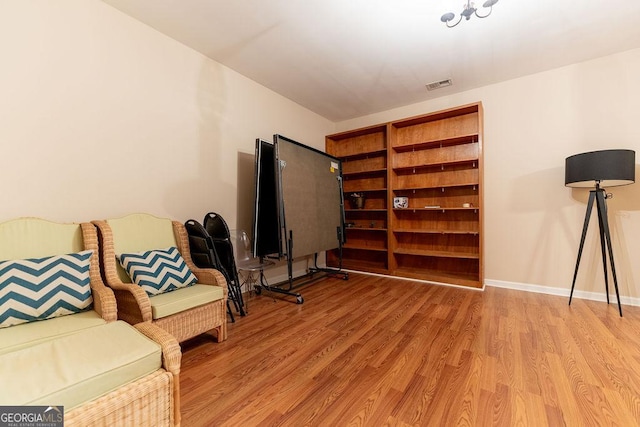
x: 142, y: 232
x: 153, y: 399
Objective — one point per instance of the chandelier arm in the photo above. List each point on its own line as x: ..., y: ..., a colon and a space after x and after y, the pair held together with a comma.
x: 451, y: 26
x: 481, y: 16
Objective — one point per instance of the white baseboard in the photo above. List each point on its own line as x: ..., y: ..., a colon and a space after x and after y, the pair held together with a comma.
x: 594, y: 296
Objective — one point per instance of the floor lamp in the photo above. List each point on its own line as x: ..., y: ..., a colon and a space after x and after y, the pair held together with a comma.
x: 605, y: 168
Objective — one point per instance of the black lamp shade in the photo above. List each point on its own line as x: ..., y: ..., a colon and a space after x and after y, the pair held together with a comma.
x: 608, y: 167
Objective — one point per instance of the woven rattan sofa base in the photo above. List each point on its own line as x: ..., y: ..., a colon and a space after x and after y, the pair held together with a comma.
x: 145, y: 402
x: 192, y: 322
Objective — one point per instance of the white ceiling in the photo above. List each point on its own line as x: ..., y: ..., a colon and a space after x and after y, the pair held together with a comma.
x: 348, y: 58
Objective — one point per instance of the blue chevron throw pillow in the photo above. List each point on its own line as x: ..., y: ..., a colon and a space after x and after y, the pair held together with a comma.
x: 157, y: 271
x: 38, y: 289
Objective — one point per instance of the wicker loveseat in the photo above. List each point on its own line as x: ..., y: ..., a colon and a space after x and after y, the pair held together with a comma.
x: 184, y: 312
x: 60, y: 341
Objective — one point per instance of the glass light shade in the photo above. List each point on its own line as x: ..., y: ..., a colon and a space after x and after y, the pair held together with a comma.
x: 447, y: 17
x: 609, y: 168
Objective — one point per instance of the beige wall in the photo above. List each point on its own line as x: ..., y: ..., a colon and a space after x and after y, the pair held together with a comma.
x: 103, y: 116
x: 532, y: 222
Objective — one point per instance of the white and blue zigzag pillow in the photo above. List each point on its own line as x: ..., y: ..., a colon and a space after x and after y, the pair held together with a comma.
x: 157, y: 271
x: 42, y: 288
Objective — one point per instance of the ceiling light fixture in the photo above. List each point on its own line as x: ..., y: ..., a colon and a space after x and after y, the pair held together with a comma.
x: 469, y: 10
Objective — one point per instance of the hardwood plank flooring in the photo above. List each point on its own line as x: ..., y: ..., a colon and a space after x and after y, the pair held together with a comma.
x: 374, y: 351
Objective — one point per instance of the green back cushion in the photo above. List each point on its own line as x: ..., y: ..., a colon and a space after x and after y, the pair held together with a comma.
x: 139, y: 233
x: 36, y: 238
x: 49, y: 287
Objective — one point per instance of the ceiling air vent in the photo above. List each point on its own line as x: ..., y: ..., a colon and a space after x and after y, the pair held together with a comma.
x: 439, y: 84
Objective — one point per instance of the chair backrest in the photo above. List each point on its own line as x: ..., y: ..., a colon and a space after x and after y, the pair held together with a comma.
x: 29, y: 238
x: 141, y: 232
x: 203, y: 252
x: 216, y: 226
x: 25, y: 238
x: 241, y: 245
x: 218, y: 230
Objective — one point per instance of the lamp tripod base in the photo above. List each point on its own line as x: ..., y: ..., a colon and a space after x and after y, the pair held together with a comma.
x: 598, y: 195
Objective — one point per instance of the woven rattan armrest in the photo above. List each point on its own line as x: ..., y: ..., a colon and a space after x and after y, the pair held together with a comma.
x: 134, y: 305
x: 104, y: 302
x: 171, y: 358
x: 171, y: 353
x: 210, y: 276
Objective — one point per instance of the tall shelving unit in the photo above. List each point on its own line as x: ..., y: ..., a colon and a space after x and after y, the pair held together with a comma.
x: 364, y: 170
x: 437, y: 164
x: 435, y: 161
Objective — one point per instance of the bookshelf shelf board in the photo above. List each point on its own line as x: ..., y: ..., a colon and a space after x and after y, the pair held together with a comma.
x: 364, y: 154
x: 439, y: 208
x: 365, y: 210
x: 424, y: 166
x: 462, y: 139
x: 364, y: 248
x: 364, y: 172
x: 439, y: 254
x: 428, y: 187
x: 365, y: 229
x: 434, y: 231
x: 361, y: 265
x: 468, y: 280
x: 365, y: 190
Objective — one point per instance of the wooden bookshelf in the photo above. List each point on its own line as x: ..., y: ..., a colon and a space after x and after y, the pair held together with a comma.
x: 363, y: 153
x: 435, y: 160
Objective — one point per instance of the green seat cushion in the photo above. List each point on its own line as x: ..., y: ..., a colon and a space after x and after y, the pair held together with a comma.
x: 27, y: 334
x: 182, y: 299
x: 77, y: 368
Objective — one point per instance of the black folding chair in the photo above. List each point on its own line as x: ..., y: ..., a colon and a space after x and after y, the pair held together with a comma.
x: 204, y: 255
x: 217, y: 228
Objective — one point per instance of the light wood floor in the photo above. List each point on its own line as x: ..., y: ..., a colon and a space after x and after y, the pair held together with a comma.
x: 373, y: 351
